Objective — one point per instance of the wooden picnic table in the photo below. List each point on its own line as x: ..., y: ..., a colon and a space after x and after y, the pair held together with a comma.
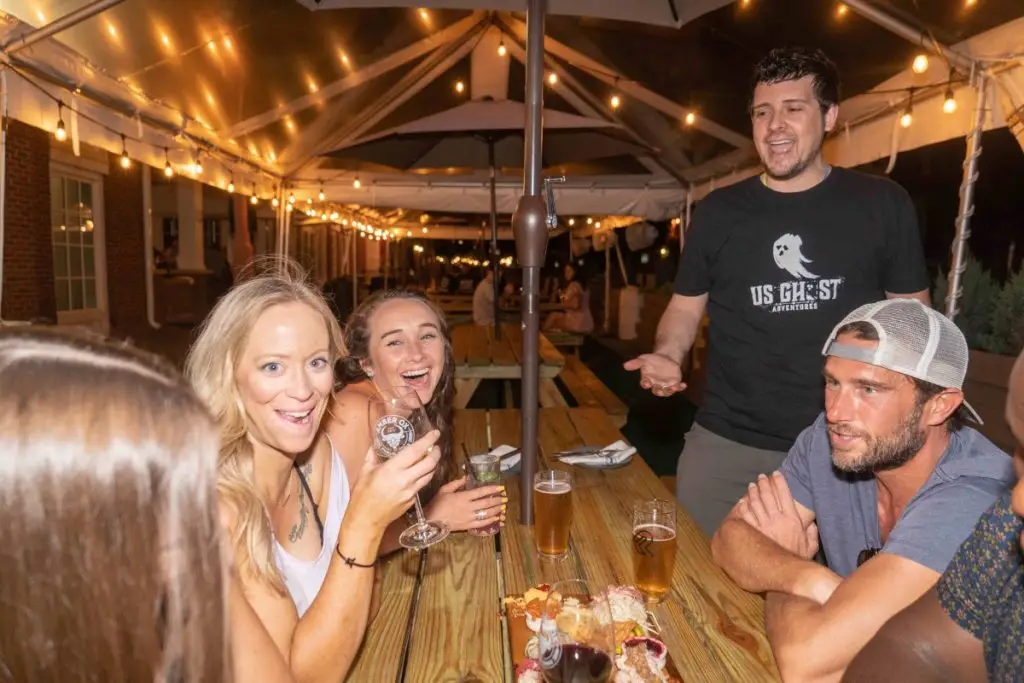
x: 442, y: 617
x: 480, y: 355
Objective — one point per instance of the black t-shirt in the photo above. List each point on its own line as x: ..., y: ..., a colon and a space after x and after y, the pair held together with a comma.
x: 781, y: 270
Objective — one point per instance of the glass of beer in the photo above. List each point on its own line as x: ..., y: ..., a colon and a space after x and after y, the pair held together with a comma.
x: 654, y: 547
x: 552, y: 512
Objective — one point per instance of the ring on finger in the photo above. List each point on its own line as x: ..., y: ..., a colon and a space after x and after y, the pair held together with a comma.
x: 480, y: 515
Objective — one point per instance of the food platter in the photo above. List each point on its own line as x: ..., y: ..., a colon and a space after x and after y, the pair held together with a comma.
x: 640, y: 656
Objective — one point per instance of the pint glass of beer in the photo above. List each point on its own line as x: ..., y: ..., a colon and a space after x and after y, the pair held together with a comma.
x: 654, y: 547
x: 552, y: 512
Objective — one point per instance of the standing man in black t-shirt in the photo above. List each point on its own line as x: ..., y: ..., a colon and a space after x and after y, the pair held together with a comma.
x: 776, y: 260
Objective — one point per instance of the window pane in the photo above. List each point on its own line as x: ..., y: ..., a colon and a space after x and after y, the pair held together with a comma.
x: 77, y: 302
x: 87, y: 235
x: 60, y: 260
x: 75, y: 257
x: 71, y: 196
x: 86, y: 189
x: 56, y: 194
x: 90, y: 294
x: 89, y: 261
x: 59, y: 236
x: 63, y: 298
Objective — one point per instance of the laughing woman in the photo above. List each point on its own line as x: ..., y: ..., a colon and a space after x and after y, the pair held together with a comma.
x: 306, y: 512
x: 400, y: 338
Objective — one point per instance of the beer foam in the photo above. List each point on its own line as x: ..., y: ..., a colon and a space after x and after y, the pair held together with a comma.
x: 658, y: 532
x: 553, y: 487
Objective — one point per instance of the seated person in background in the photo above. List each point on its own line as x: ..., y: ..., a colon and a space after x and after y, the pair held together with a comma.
x: 971, y: 625
x: 576, y: 299
x: 888, y: 476
x: 483, y: 300
x: 400, y: 338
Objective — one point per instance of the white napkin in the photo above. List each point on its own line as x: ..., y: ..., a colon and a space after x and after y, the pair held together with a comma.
x: 615, y: 454
x: 508, y: 463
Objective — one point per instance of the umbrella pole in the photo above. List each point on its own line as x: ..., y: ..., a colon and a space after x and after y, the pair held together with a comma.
x: 963, y: 219
x: 529, y: 225
x: 494, y: 238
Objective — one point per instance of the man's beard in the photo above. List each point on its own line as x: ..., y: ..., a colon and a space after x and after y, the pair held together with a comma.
x: 888, y: 452
x: 799, y: 167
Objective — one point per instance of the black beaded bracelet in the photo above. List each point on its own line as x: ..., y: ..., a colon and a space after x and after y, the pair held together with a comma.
x: 351, y: 561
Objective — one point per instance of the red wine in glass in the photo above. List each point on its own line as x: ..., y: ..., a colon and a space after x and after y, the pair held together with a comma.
x: 580, y: 664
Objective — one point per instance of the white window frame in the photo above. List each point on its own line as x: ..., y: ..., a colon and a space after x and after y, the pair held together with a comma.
x: 98, y: 317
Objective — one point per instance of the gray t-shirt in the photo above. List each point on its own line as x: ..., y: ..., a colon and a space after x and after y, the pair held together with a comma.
x: 969, y: 477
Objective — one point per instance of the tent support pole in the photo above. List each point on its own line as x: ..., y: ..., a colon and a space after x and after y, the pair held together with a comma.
x: 494, y: 238
x: 529, y: 225
x: 70, y: 19
x: 963, y: 218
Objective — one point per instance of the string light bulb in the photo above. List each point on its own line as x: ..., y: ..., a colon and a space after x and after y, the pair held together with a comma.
x: 291, y: 198
x: 320, y: 195
x: 126, y: 161
x: 460, y: 87
x: 197, y: 165
x: 920, y: 64
x: 254, y: 200
x: 949, y: 103
x: 690, y: 118
x: 356, y: 184
x: 274, y: 201
x: 60, y: 133
x: 552, y: 78
x: 908, y: 117
x: 168, y: 169
x: 502, y: 50
x: 841, y: 10
x: 231, y: 184
x: 615, y: 102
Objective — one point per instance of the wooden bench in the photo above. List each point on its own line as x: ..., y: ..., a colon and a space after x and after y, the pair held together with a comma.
x: 571, y: 339
x: 590, y: 392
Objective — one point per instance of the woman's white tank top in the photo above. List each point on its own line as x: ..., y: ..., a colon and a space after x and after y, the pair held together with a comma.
x: 304, y: 579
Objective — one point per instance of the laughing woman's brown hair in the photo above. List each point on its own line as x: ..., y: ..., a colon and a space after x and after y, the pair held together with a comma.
x: 110, y: 541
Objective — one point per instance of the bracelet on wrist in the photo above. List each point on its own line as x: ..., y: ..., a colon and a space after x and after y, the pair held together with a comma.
x: 351, y: 561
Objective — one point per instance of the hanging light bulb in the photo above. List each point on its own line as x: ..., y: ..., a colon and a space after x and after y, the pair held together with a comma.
x: 920, y: 64
x: 197, y: 165
x: 168, y: 170
x: 590, y: 221
x: 460, y: 87
x: 502, y: 50
x: 309, y: 201
x: 231, y: 184
x: 907, y: 118
x: 949, y: 103
x: 615, y: 101
x: 275, y: 202
x: 690, y: 119
x: 552, y: 78
x: 291, y: 198
x: 321, y: 194
x: 126, y: 161
x: 60, y: 133
x: 572, y: 222
x: 356, y: 184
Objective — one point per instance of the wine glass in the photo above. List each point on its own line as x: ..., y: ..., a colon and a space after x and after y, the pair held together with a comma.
x: 577, y: 636
x: 397, y: 419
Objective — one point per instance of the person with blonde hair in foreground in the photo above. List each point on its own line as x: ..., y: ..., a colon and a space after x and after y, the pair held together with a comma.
x: 110, y: 540
x: 306, y: 534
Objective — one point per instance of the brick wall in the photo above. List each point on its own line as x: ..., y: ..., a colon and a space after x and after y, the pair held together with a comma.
x: 28, y: 252
x: 126, y: 266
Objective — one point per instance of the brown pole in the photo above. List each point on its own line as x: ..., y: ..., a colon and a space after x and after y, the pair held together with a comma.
x: 529, y: 225
x: 494, y: 238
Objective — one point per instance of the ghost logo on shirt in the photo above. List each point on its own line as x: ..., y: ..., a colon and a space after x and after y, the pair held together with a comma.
x: 805, y: 292
x: 786, y: 251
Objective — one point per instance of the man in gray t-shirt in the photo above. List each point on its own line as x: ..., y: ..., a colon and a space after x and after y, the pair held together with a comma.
x: 889, y: 477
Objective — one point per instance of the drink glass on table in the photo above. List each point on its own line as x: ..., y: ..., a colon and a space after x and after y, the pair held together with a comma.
x: 397, y: 419
x: 654, y: 547
x: 484, y: 470
x: 577, y: 636
x: 552, y: 512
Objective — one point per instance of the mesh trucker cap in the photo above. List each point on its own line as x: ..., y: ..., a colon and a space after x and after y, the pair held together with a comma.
x: 913, y: 340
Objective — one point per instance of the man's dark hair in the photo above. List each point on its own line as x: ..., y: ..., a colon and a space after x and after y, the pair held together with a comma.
x: 923, y: 390
x: 793, y: 63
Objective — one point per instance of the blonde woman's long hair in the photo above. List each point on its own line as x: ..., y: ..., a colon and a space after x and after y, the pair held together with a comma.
x: 114, y: 567
x: 210, y: 367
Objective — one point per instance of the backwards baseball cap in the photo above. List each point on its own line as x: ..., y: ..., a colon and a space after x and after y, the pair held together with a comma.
x: 913, y: 340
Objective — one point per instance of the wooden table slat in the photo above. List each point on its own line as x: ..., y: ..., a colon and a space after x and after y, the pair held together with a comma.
x: 380, y: 656
x: 501, y: 348
x: 461, y: 338
x: 458, y: 633
x: 479, y: 352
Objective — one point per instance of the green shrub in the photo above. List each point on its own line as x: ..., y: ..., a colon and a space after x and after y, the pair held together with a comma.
x: 976, y: 304
x: 1007, y: 319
